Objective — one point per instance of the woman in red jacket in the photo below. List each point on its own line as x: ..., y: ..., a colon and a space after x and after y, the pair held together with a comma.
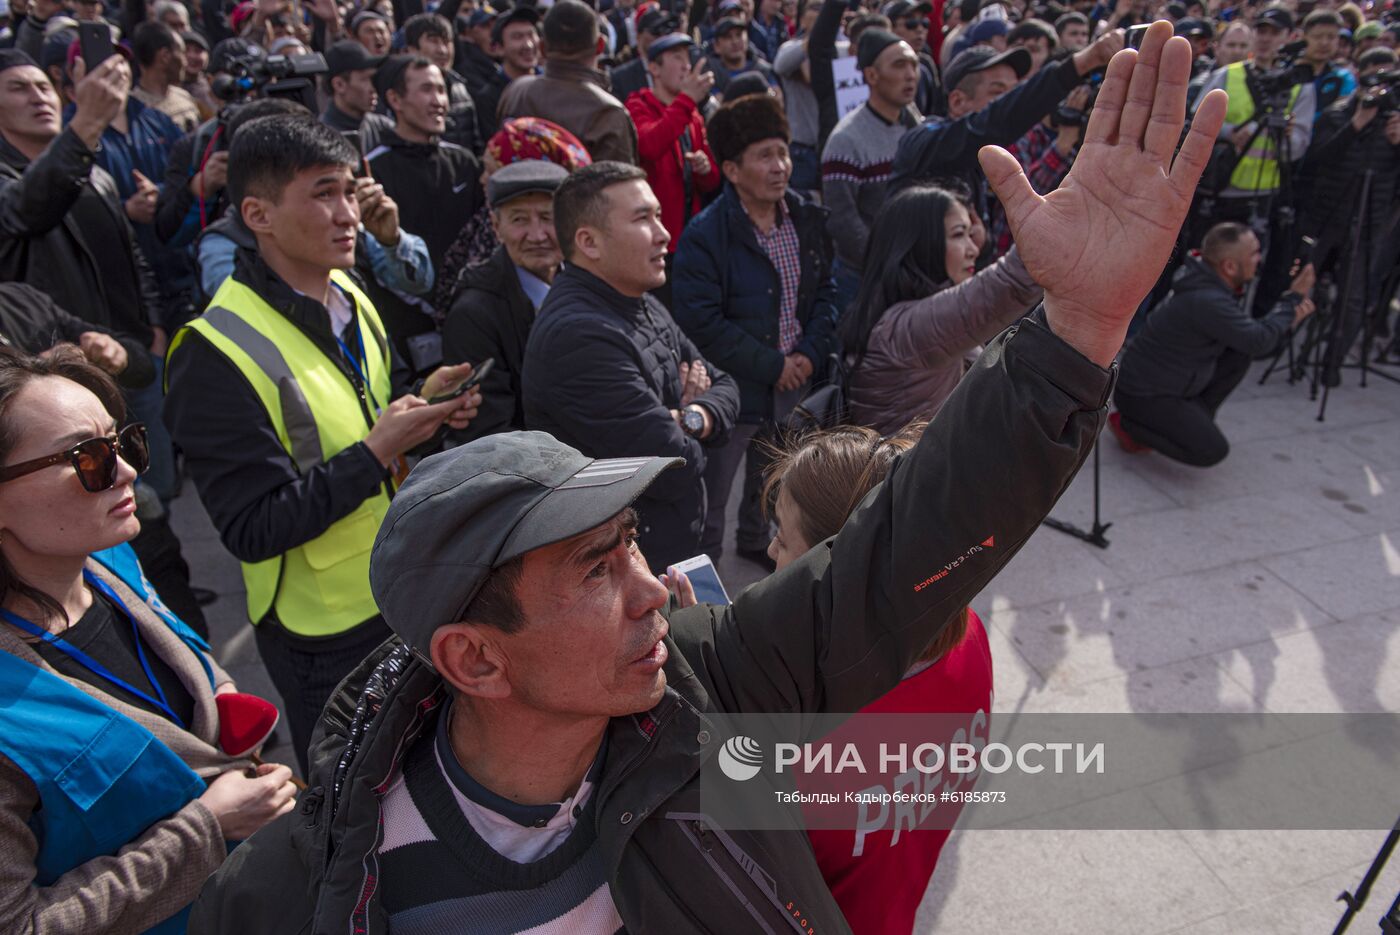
x: 878, y: 877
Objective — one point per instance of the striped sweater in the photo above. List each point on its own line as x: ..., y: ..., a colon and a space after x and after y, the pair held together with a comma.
x: 439, y: 875
x: 856, y: 168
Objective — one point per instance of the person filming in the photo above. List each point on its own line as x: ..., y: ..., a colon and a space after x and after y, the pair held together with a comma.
x: 1196, y: 347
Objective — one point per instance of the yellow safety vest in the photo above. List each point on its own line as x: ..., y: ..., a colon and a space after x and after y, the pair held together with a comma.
x: 321, y: 587
x: 1257, y: 170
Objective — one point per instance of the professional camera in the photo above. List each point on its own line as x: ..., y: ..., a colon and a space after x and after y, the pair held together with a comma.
x: 1382, y: 90
x: 283, y: 75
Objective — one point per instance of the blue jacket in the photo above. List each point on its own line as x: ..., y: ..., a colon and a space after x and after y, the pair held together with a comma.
x: 102, y: 777
x: 726, y: 295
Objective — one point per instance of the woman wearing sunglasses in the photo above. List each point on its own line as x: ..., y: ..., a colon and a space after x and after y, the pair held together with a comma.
x: 116, y: 802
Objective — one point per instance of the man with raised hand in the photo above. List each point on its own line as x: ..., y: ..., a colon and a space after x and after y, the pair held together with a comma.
x: 530, y: 757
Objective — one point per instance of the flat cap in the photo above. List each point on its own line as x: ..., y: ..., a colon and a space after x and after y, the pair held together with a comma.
x: 980, y: 58
x: 474, y: 508
x: 526, y: 177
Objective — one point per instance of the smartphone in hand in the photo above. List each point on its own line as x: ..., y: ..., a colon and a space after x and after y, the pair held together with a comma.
x: 95, y: 42
x: 478, y: 374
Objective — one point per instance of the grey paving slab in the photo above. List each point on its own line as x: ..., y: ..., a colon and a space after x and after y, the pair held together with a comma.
x: 1143, y: 627
x: 1051, y: 566
x: 1341, y: 667
x: 1359, y: 576
x: 1070, y: 882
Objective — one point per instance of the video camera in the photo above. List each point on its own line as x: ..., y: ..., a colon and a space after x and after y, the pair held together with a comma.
x: 1381, y: 90
x: 275, y: 75
x: 1272, y: 89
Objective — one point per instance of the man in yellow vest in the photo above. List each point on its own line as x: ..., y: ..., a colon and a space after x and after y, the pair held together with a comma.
x: 1269, y: 122
x: 1257, y: 174
x: 292, y: 411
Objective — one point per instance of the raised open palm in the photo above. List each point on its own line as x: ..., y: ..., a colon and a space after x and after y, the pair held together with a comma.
x: 1098, y: 242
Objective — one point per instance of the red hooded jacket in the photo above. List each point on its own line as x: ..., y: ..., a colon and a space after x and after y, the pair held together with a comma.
x: 659, y: 131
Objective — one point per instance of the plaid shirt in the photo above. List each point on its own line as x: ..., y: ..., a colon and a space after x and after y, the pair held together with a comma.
x: 1045, y: 169
x: 785, y: 252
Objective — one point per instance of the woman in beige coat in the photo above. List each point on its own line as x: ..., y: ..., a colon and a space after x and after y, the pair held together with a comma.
x: 923, y: 308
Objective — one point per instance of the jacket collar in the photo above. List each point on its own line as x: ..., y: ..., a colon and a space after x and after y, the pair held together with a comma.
x: 575, y: 71
x: 306, y: 313
x: 576, y: 279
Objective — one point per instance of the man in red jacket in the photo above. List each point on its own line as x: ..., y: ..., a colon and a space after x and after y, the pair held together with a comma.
x: 671, y: 136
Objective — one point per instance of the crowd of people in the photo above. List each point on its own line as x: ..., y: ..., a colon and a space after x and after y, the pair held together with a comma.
x: 465, y: 321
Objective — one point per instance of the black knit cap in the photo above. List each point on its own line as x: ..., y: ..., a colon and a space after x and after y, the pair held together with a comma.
x: 742, y: 122
x: 14, y: 58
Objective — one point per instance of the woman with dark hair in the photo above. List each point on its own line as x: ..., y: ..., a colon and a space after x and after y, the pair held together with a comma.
x: 879, y: 878
x: 924, y: 308
x: 116, y: 801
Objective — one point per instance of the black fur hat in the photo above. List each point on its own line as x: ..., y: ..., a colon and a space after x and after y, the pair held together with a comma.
x: 740, y: 123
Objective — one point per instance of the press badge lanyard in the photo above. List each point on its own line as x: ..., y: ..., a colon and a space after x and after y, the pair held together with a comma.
x: 91, y: 664
x: 359, y: 361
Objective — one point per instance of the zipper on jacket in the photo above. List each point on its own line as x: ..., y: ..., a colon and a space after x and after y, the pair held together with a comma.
x: 738, y: 878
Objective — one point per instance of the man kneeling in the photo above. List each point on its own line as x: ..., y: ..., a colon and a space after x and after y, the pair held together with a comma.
x: 1196, y: 347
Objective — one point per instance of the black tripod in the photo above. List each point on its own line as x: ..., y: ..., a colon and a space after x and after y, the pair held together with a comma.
x: 1095, y: 534
x: 1390, y: 922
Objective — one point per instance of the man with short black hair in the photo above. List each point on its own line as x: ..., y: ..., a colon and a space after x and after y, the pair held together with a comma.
x: 606, y: 368
x: 435, y: 183
x: 1196, y: 347
x: 514, y: 37
x: 430, y: 35
x: 572, y: 91
x: 492, y: 315
x: 349, y: 78
x: 293, y: 412
x: 161, y: 55
x: 753, y: 290
x: 372, y: 30
x: 1321, y: 34
x: 1072, y: 29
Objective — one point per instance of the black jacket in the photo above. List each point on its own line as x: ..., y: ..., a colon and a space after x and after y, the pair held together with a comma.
x: 31, y: 322
x: 491, y: 317
x: 371, y: 127
x: 1337, y: 161
x: 630, y: 78
x: 1176, y: 351
x: 463, y: 124
x: 485, y: 82
x: 42, y: 243
x: 727, y: 295
x: 829, y: 633
x: 601, y: 371
x: 943, y: 148
x: 437, y: 187
x: 261, y: 504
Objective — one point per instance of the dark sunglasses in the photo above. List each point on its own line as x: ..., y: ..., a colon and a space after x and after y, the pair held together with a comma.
x: 917, y: 22
x: 95, y: 460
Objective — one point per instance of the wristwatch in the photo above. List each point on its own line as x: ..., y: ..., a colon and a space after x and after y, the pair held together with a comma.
x: 692, y: 423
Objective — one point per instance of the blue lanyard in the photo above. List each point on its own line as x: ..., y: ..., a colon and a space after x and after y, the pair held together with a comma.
x: 92, y: 665
x: 359, y: 361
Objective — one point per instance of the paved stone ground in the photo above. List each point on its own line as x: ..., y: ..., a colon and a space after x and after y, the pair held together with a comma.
x: 1270, y: 583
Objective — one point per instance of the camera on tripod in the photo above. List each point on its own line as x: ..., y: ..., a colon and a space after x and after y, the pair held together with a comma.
x: 1382, y: 91
x: 1272, y: 90
x: 282, y: 75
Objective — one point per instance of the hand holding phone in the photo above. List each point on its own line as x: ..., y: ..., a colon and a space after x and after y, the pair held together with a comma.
x: 701, y: 580
x: 95, y: 41
x: 478, y: 374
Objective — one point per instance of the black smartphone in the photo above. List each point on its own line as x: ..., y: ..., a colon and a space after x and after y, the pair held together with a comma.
x: 1133, y: 38
x: 478, y: 374
x: 95, y: 41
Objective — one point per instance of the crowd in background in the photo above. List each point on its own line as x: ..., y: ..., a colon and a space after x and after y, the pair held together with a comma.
x: 705, y: 232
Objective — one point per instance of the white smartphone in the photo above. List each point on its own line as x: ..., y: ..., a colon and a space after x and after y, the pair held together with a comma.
x: 704, y: 579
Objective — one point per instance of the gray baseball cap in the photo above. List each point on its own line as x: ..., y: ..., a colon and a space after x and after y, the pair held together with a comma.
x: 474, y: 508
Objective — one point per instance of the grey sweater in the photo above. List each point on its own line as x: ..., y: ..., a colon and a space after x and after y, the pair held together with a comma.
x: 856, y: 169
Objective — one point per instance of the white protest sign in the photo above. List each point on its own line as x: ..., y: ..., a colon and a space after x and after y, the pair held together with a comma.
x: 851, y: 91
